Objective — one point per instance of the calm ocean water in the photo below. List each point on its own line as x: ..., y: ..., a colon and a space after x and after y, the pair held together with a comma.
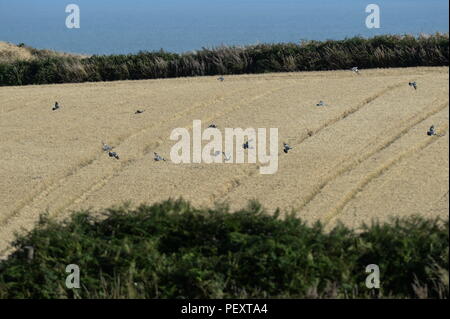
x: 111, y: 26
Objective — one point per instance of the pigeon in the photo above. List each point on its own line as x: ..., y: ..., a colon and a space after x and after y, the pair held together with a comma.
x: 139, y: 112
x: 286, y: 148
x: 113, y: 154
x: 56, y: 107
x: 106, y: 147
x: 431, y: 131
x: 212, y: 126
x: 158, y: 158
x: 227, y: 158
x: 355, y: 69
x: 321, y: 103
x: 246, y: 145
x: 221, y: 79
x: 413, y: 84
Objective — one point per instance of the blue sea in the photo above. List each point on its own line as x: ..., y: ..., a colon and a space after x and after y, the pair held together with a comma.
x: 112, y: 26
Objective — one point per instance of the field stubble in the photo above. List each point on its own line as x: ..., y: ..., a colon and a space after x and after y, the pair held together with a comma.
x: 364, y: 156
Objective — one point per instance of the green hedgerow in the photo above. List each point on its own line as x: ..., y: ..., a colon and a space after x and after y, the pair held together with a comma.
x: 384, y: 51
x: 173, y: 250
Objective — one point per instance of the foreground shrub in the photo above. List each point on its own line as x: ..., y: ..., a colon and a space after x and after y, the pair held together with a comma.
x: 172, y: 250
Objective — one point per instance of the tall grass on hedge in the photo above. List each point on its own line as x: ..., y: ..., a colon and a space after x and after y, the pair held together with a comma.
x: 173, y: 250
x: 377, y: 52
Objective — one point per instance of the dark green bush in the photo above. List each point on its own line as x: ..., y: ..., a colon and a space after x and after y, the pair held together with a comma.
x: 377, y: 52
x: 172, y: 250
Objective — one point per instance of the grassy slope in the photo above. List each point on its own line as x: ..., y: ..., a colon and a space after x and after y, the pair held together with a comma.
x: 10, y: 53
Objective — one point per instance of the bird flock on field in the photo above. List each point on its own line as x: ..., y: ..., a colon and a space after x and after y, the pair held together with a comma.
x: 247, y: 144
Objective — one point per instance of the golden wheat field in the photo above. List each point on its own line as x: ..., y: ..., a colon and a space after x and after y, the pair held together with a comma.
x: 365, y: 155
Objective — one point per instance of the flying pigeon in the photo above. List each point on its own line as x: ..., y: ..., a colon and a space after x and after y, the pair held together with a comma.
x: 56, y: 107
x: 321, y: 103
x: 227, y: 158
x: 246, y: 145
x: 413, y: 84
x: 113, y: 154
x: 106, y: 147
x: 355, y: 69
x: 286, y: 148
x: 158, y: 158
x: 431, y: 131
